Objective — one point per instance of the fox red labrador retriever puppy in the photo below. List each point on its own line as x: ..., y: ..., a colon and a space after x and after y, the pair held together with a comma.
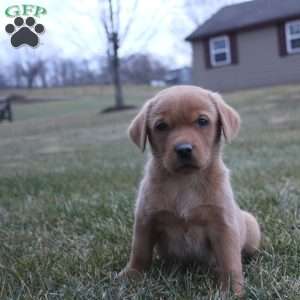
x: 185, y: 206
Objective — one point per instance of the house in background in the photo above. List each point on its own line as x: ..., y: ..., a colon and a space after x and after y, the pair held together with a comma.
x: 246, y: 45
x: 179, y: 76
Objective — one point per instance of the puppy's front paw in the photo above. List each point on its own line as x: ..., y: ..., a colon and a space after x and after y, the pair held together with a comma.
x: 129, y: 273
x: 239, y: 293
x: 226, y: 296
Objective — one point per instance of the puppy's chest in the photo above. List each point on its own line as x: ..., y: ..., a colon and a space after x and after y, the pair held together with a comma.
x: 180, y: 236
x: 181, y: 199
x: 174, y: 207
x: 185, y: 201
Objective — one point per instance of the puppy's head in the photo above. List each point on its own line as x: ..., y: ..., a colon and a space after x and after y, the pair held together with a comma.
x: 184, y: 125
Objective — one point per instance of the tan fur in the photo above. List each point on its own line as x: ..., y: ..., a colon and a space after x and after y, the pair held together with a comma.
x: 188, y: 213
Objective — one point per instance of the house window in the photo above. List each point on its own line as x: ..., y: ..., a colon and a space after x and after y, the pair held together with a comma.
x: 219, y: 49
x: 292, y: 34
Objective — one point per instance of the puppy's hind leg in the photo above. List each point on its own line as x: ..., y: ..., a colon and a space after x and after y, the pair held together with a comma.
x: 253, y: 234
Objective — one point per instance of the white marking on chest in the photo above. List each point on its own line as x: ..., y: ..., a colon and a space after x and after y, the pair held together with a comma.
x: 186, y: 199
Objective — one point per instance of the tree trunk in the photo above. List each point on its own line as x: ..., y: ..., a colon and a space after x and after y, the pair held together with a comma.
x: 119, y: 100
x: 9, y: 111
x: 43, y: 79
x: 30, y: 80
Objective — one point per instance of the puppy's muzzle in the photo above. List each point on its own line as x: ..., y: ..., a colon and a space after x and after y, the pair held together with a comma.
x: 184, y: 151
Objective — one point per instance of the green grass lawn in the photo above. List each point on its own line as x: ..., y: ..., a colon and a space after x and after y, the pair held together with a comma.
x: 68, y: 180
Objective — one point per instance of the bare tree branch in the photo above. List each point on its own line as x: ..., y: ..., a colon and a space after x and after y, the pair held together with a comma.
x: 117, y: 18
x: 111, y: 17
x: 130, y: 21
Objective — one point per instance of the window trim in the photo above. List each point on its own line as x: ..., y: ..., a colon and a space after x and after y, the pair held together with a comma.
x: 289, y: 37
x: 213, y: 52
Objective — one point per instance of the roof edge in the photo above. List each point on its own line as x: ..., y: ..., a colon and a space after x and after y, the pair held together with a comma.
x: 191, y: 37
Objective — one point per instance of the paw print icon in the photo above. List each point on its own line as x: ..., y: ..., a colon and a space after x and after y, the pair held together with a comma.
x: 24, y: 33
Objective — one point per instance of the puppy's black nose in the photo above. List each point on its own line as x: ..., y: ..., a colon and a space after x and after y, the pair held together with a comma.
x: 184, y: 150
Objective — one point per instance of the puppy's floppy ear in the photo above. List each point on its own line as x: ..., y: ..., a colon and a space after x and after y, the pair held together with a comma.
x: 138, y: 128
x: 230, y: 119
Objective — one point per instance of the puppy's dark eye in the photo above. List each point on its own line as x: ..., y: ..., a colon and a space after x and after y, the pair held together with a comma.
x: 161, y: 126
x: 202, y: 122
